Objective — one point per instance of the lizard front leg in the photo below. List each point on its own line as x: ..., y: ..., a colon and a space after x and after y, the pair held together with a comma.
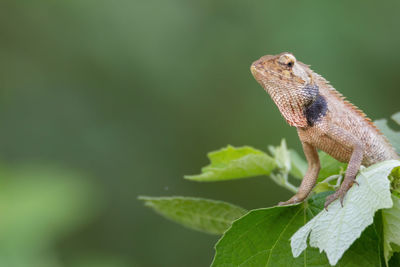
x: 344, y: 137
x: 310, y: 177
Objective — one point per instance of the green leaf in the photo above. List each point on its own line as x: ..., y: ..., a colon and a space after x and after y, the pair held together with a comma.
x: 282, y: 156
x: 283, y: 161
x: 298, y: 165
x: 335, y: 230
x: 330, y: 171
x: 391, y: 229
x: 395, y: 260
x: 261, y: 238
x: 367, y: 250
x: 394, y: 178
x: 396, y: 117
x: 204, y: 215
x: 323, y: 187
x: 329, y: 166
x: 393, y: 136
x: 233, y: 163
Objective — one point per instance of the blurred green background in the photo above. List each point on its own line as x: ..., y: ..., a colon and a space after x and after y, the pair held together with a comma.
x: 102, y: 101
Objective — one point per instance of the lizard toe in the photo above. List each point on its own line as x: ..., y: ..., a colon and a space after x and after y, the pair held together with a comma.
x: 283, y: 203
x: 330, y: 199
x: 337, y: 195
x: 295, y: 199
x: 341, y: 199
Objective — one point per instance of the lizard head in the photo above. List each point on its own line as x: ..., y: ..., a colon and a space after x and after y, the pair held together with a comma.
x: 290, y: 84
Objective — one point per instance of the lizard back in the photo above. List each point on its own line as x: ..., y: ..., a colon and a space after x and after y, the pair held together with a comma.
x: 308, y: 102
x: 345, y: 115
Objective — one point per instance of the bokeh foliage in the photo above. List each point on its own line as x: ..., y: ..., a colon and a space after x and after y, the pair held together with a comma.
x: 134, y: 93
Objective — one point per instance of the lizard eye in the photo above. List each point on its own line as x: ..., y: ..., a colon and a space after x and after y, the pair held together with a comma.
x: 287, y: 60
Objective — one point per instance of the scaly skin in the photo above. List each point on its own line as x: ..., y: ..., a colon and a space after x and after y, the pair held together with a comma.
x: 324, y: 120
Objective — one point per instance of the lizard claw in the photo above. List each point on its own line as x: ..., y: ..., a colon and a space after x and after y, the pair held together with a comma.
x: 295, y: 199
x: 337, y: 195
x: 283, y: 203
x: 342, y: 198
x: 329, y: 200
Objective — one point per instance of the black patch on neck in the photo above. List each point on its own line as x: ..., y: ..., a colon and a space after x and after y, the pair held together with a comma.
x: 316, y: 110
x: 310, y: 93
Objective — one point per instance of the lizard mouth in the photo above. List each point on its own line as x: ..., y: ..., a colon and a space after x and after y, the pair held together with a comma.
x: 258, y: 76
x: 259, y: 72
x: 253, y: 69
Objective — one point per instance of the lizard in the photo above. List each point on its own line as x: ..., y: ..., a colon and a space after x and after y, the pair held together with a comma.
x: 324, y: 119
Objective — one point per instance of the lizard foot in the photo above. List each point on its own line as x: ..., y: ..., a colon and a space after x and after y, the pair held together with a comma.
x: 294, y: 200
x: 339, y: 194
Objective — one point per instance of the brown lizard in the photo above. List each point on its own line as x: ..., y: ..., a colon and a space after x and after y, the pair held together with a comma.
x: 324, y: 120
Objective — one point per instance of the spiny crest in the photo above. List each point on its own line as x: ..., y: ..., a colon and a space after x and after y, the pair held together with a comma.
x: 339, y: 96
